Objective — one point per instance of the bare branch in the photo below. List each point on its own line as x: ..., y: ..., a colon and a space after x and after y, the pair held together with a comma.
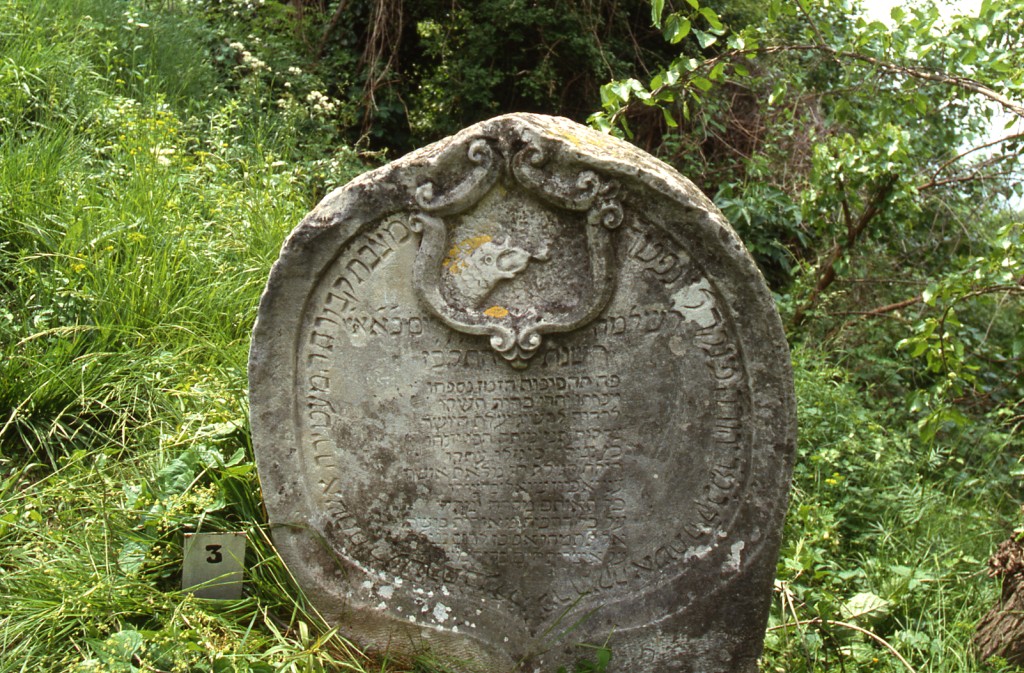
x: 888, y: 308
x: 958, y: 179
x: 978, y: 148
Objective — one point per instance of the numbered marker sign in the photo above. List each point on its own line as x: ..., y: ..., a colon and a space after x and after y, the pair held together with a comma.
x: 213, y: 565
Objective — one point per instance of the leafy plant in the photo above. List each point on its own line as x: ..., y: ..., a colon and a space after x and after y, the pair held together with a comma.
x: 599, y: 664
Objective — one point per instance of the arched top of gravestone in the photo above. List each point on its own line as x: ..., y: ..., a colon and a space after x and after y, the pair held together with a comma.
x: 522, y: 380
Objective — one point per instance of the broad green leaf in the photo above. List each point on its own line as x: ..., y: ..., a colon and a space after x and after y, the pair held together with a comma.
x: 118, y: 650
x: 621, y: 90
x: 712, y: 18
x: 866, y: 608
x: 600, y: 122
x: 681, y: 31
x: 702, y: 83
x: 1001, y: 66
x: 657, y: 8
x: 176, y: 476
x: 239, y: 470
x: 133, y: 555
x: 736, y: 41
x: 625, y: 127
x: 669, y: 119
x: 694, y: 3
x: 705, y: 39
x: 237, y: 457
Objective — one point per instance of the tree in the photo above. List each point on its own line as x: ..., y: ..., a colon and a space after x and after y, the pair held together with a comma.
x: 417, y: 71
x: 835, y: 143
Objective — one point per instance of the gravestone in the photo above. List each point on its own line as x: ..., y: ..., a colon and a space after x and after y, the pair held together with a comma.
x: 522, y: 392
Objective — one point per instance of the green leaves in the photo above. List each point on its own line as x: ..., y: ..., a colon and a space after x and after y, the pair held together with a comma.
x: 116, y: 654
x: 678, y: 29
x: 679, y: 25
x: 197, y: 482
x: 598, y: 664
x: 684, y: 78
x: 704, y: 39
x: 657, y: 9
x: 712, y: 18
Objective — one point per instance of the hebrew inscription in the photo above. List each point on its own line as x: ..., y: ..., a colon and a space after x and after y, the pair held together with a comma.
x: 521, y: 392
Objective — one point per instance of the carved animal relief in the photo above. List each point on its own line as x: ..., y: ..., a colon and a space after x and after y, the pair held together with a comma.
x: 476, y: 281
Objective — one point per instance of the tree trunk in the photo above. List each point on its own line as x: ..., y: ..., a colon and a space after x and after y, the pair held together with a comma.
x: 1001, y: 632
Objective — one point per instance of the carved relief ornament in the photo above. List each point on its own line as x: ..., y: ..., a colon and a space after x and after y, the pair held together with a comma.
x: 563, y: 187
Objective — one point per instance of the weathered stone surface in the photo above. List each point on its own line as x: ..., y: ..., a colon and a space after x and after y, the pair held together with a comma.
x: 524, y: 390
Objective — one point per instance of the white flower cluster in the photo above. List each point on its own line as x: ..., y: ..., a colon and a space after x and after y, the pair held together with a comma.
x: 321, y: 104
x: 251, y: 61
x: 248, y: 60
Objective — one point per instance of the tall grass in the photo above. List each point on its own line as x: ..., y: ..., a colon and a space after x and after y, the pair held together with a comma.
x: 140, y: 211
x: 884, y: 534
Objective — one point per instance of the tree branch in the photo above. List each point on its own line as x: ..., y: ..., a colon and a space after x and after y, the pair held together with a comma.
x: 888, y: 308
x: 971, y: 177
x: 965, y: 83
x: 826, y: 271
x: 959, y: 82
x: 329, y: 28
x: 978, y: 148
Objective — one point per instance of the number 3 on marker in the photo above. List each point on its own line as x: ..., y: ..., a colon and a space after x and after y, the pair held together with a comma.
x: 215, y: 555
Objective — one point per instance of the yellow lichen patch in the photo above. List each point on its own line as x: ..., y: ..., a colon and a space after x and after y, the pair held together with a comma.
x: 455, y: 262
x: 496, y: 312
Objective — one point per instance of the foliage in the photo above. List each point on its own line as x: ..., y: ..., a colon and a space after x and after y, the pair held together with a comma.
x: 599, y: 664
x: 883, y: 534
x: 413, y: 72
x: 143, y: 195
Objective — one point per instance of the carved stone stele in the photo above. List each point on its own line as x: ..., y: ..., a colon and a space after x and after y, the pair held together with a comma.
x: 520, y: 392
